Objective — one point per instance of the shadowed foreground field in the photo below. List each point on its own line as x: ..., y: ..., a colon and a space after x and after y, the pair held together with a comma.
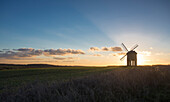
x: 140, y: 84
x: 13, y: 77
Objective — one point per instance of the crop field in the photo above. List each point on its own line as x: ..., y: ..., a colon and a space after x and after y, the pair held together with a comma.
x: 14, y: 78
x: 86, y: 84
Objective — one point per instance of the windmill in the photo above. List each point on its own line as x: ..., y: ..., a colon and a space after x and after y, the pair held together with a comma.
x: 131, y: 56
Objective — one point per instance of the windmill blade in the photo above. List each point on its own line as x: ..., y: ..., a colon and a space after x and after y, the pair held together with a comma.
x: 134, y: 47
x: 123, y: 57
x: 124, y: 47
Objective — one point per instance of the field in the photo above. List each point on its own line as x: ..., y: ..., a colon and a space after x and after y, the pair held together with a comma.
x: 14, y: 77
x: 85, y: 84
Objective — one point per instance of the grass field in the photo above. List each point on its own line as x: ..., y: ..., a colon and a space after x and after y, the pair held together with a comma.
x: 86, y: 84
x: 14, y: 78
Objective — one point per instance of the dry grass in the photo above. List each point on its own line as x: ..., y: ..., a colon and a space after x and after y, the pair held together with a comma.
x: 141, y: 84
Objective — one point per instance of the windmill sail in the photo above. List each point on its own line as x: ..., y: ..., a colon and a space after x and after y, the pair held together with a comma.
x: 123, y: 57
x: 134, y: 47
x: 124, y: 47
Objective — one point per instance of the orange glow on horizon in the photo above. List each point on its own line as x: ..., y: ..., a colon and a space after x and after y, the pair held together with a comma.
x: 140, y: 59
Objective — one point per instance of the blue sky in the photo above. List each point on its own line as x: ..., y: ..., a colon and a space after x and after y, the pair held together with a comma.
x: 44, y: 24
x: 81, y: 24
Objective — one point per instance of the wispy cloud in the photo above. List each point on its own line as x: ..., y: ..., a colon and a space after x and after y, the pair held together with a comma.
x: 115, y: 49
x: 162, y: 54
x: 59, y: 58
x: 68, y: 61
x: 118, y: 54
x: 97, y: 55
x: 65, y: 58
x: 146, y: 53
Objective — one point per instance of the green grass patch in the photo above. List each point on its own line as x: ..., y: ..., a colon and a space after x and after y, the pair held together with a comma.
x: 12, y: 79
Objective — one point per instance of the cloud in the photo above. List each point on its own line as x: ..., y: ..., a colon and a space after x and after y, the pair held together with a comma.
x: 94, y: 49
x: 105, y: 49
x: 63, y: 51
x: 59, y: 58
x: 146, y: 53
x: 30, y: 52
x: 71, y: 58
x: 21, y: 53
x: 96, y: 55
x: 68, y: 61
x: 29, y: 60
x: 5, y: 49
x: 65, y: 58
x: 24, y: 49
x: 118, y: 54
x: 116, y: 48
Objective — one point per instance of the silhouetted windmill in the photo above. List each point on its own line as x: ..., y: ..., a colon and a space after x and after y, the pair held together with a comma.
x: 131, y: 56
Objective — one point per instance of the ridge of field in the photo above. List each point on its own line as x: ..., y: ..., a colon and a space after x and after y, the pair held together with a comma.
x: 11, y: 79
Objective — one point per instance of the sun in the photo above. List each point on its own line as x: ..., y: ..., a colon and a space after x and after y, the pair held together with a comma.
x: 140, y: 59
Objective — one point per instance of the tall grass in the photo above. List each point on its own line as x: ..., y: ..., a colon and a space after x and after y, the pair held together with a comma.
x: 141, y: 84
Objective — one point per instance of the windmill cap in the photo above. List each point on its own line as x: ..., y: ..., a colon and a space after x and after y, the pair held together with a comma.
x: 132, y: 52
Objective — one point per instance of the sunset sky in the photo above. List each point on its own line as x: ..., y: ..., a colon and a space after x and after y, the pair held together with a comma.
x: 84, y: 32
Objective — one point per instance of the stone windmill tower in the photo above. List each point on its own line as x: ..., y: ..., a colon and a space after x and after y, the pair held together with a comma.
x: 131, y: 56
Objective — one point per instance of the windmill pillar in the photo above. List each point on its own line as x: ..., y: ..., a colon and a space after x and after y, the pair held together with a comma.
x: 128, y: 63
x: 136, y: 61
